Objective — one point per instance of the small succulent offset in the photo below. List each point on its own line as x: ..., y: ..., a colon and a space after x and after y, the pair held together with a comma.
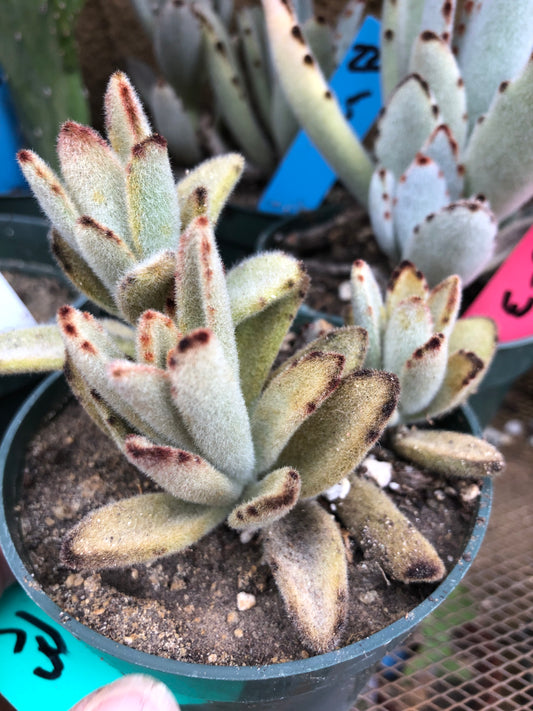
x: 415, y: 333
x: 200, y: 412
x: 454, y: 145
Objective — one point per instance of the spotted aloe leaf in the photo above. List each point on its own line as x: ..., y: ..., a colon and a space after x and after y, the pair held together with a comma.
x: 137, y: 530
x: 453, y: 454
x: 387, y: 535
x: 126, y: 122
x: 306, y: 552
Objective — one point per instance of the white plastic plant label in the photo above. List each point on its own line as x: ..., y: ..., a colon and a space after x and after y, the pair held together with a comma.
x: 13, y: 313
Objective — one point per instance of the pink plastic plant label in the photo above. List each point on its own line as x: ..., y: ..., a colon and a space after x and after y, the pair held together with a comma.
x: 508, y: 296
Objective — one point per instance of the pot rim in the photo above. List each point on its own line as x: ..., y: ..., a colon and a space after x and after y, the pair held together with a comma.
x: 221, y: 673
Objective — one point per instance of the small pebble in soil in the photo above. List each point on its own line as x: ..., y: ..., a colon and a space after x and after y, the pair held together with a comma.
x: 470, y: 493
x: 344, y: 291
x: 496, y: 437
x: 338, y: 491
x: 245, y: 601
x: 380, y: 472
x: 514, y: 427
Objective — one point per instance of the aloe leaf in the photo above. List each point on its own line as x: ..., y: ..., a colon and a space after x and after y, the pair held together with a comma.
x: 153, y: 208
x: 289, y: 399
x: 421, y: 191
x: 181, y: 473
x: 496, y: 46
x: 137, y: 530
x: 267, y: 500
x: 146, y: 389
x: 444, y: 302
x: 80, y: 274
x: 125, y: 121
x: 367, y: 306
x: 499, y: 158
x: 458, y: 239
x: 342, y: 430
x: 442, y: 147
x: 312, y: 101
x: 453, y: 454
x: 438, y: 17
x: 306, y: 552
x: 149, y: 285
x: 202, y: 298
x: 387, y: 535
x: 175, y: 123
x: 380, y: 207
x: 411, y: 104
x: 409, y: 326
x: 207, y: 394
x: 218, y: 176
x: 51, y: 194
x: 405, y: 282
x: 156, y: 335
x: 105, y: 252
x: 422, y: 374
x: 94, y: 176
x: 36, y: 349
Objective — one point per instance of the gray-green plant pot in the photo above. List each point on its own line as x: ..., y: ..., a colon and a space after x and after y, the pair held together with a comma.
x: 328, y: 681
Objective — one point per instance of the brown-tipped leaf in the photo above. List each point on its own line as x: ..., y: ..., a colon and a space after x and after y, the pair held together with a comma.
x: 156, y: 335
x: 125, y: 121
x: 149, y: 285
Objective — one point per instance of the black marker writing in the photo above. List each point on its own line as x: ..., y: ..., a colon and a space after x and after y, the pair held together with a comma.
x: 51, y: 651
x: 355, y: 99
x: 366, y: 58
x: 513, y: 309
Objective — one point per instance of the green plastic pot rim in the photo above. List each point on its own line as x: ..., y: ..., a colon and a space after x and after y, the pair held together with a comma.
x: 230, y: 673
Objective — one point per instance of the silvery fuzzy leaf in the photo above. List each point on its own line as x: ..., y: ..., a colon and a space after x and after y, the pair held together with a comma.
x: 438, y: 17
x: 106, y: 253
x: 149, y: 285
x: 433, y: 60
x: 409, y: 326
x: 94, y: 177
x: 411, y: 104
x: 181, y: 473
x: 36, y: 349
x: 405, y: 282
x: 306, y: 552
x: 463, y: 13
x: 289, y: 399
x: 202, y: 298
x: 380, y: 208
x: 442, y: 147
x: 175, y: 123
x: 421, y: 191
x: 51, y: 194
x: 282, y: 120
x: 422, y: 375
x: 303, y: 10
x: 320, y: 37
x: 444, y: 302
x: 312, y: 101
x: 137, y: 530
x: 497, y: 45
x: 348, y: 23
x: 367, y: 305
x: 125, y: 121
x: 475, y: 333
x: 266, y: 500
x: 217, y: 177
x: 499, y: 158
x: 389, y: 40
x: 205, y: 389
x: 387, y: 535
x: 156, y: 334
x: 225, y: 10
x: 458, y: 239
x: 408, y: 25
x: 257, y: 69
x: 342, y: 430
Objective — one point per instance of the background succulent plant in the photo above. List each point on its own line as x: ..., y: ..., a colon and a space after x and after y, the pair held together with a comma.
x: 457, y: 77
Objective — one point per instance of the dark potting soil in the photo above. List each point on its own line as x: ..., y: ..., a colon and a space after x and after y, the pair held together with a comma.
x: 42, y: 295
x: 186, y: 606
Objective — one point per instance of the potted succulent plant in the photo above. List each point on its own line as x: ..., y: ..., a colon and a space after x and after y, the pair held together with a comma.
x: 192, y: 396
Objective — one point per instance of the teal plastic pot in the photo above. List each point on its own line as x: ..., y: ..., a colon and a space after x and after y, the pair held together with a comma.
x: 328, y: 681
x: 24, y: 248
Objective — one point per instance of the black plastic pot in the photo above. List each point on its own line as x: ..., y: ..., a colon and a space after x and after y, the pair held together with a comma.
x: 239, y: 228
x: 330, y: 680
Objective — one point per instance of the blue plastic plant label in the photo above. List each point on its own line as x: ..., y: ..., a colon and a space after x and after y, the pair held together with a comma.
x: 303, y: 178
x: 11, y: 177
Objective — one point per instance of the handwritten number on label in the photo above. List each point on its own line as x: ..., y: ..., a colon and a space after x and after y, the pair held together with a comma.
x: 20, y: 640
x: 351, y: 101
x: 366, y: 58
x: 512, y: 308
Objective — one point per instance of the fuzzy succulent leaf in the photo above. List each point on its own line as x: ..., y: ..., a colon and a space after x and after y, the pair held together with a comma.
x: 502, y: 34
x: 389, y: 70
x: 156, y: 335
x: 442, y: 147
x: 289, y: 399
x: 254, y: 59
x: 438, y: 16
x: 507, y: 130
x: 125, y: 120
x: 36, y: 349
x: 320, y: 37
x: 306, y: 552
x: 422, y: 374
x: 380, y: 207
x: 433, y: 59
x: 348, y: 23
x: 181, y: 473
x: 421, y: 191
x: 408, y: 21
x: 149, y: 285
x: 408, y: 327
x: 312, y: 101
x: 411, y: 104
x: 207, y: 394
x: 444, y: 302
x: 153, y: 208
x: 459, y: 239
x: 175, y: 123
x: 387, y: 535
x: 453, y: 454
x: 367, y: 306
x: 217, y: 176
x: 342, y: 430
x: 137, y: 530
x: 267, y: 500
x: 405, y: 282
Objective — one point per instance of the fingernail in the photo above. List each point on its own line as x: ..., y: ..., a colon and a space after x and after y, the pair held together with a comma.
x: 130, y: 693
